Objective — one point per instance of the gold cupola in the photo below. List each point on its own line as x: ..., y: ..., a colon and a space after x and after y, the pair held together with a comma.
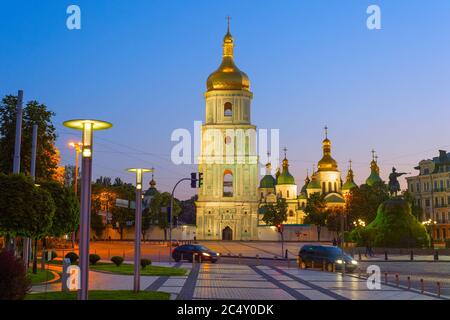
x: 228, y: 76
x: 327, y: 163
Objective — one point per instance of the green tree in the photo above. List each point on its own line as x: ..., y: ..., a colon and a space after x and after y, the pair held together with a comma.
x: 159, y: 215
x: 274, y: 215
x: 40, y: 219
x: 47, y: 155
x: 121, y: 217
x: 67, y: 210
x: 364, y: 201
x: 416, y: 210
x: 316, y: 212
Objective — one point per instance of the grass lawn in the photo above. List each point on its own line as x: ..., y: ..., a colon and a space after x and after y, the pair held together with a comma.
x: 41, y: 276
x: 128, y: 269
x: 101, y: 295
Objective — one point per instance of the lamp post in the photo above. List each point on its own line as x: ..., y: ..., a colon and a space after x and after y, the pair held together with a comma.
x: 87, y: 127
x: 77, y: 146
x: 138, y: 226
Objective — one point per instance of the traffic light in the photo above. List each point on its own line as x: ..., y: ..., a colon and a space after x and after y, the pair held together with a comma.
x: 194, y: 180
x: 200, y: 179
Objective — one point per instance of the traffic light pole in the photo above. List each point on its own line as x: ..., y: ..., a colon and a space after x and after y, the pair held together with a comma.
x: 170, y: 214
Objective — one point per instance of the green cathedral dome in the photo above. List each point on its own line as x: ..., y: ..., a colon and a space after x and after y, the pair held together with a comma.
x: 268, y: 181
x: 285, y: 177
x: 374, y: 174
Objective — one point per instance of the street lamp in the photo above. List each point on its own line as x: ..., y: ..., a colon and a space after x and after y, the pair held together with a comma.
x: 87, y: 127
x: 138, y: 226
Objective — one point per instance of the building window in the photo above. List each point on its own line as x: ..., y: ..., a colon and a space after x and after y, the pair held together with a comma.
x: 323, y: 187
x: 227, y: 109
x: 291, y: 213
x: 335, y: 187
x: 411, y: 187
x: 427, y: 202
x: 418, y: 187
x: 426, y: 171
x: 227, y: 183
x: 329, y: 187
x: 287, y: 194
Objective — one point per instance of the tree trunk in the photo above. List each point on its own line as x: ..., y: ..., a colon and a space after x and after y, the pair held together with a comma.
x: 35, y: 257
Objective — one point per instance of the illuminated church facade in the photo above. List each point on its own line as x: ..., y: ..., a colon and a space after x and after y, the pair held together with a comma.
x: 232, y: 195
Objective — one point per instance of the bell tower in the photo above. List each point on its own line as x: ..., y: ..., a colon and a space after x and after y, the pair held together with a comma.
x: 227, y: 202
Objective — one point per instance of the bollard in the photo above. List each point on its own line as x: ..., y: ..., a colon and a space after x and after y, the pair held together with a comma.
x: 439, y: 289
x: 359, y: 256
x: 397, y: 282
x: 385, y: 277
x: 409, y: 282
x: 411, y: 255
x: 436, y: 256
x: 385, y: 255
x: 421, y: 286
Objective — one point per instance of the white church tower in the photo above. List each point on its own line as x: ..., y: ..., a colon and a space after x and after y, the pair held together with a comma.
x: 227, y: 202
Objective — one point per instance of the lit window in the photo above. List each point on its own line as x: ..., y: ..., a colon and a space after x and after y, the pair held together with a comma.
x: 227, y: 109
x: 228, y: 183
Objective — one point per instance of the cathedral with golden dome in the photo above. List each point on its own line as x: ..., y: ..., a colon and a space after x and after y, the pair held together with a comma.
x: 232, y: 194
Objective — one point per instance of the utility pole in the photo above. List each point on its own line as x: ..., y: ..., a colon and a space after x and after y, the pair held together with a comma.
x: 18, y: 140
x: 27, y: 241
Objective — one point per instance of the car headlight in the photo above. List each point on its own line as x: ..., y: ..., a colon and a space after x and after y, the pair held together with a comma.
x: 354, y: 262
x: 339, y: 261
x: 206, y: 254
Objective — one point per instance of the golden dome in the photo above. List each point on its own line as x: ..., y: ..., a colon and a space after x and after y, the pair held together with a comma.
x: 228, y: 76
x: 327, y: 163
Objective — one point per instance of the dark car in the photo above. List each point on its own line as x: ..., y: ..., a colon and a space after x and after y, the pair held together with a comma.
x: 187, y: 251
x: 328, y: 255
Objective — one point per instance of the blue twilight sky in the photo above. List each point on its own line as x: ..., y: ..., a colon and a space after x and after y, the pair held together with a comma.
x: 143, y: 66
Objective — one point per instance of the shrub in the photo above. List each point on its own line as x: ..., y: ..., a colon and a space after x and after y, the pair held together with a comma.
x: 94, y: 258
x: 14, y: 282
x: 145, y: 262
x: 117, y: 260
x: 53, y: 255
x: 72, y: 256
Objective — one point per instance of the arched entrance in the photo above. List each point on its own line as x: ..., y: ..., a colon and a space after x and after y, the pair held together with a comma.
x: 227, y: 234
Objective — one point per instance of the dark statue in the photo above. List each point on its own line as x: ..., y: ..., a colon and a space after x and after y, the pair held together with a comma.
x: 394, y: 185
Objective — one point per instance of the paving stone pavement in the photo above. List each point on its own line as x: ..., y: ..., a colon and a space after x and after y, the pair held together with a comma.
x: 231, y: 281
